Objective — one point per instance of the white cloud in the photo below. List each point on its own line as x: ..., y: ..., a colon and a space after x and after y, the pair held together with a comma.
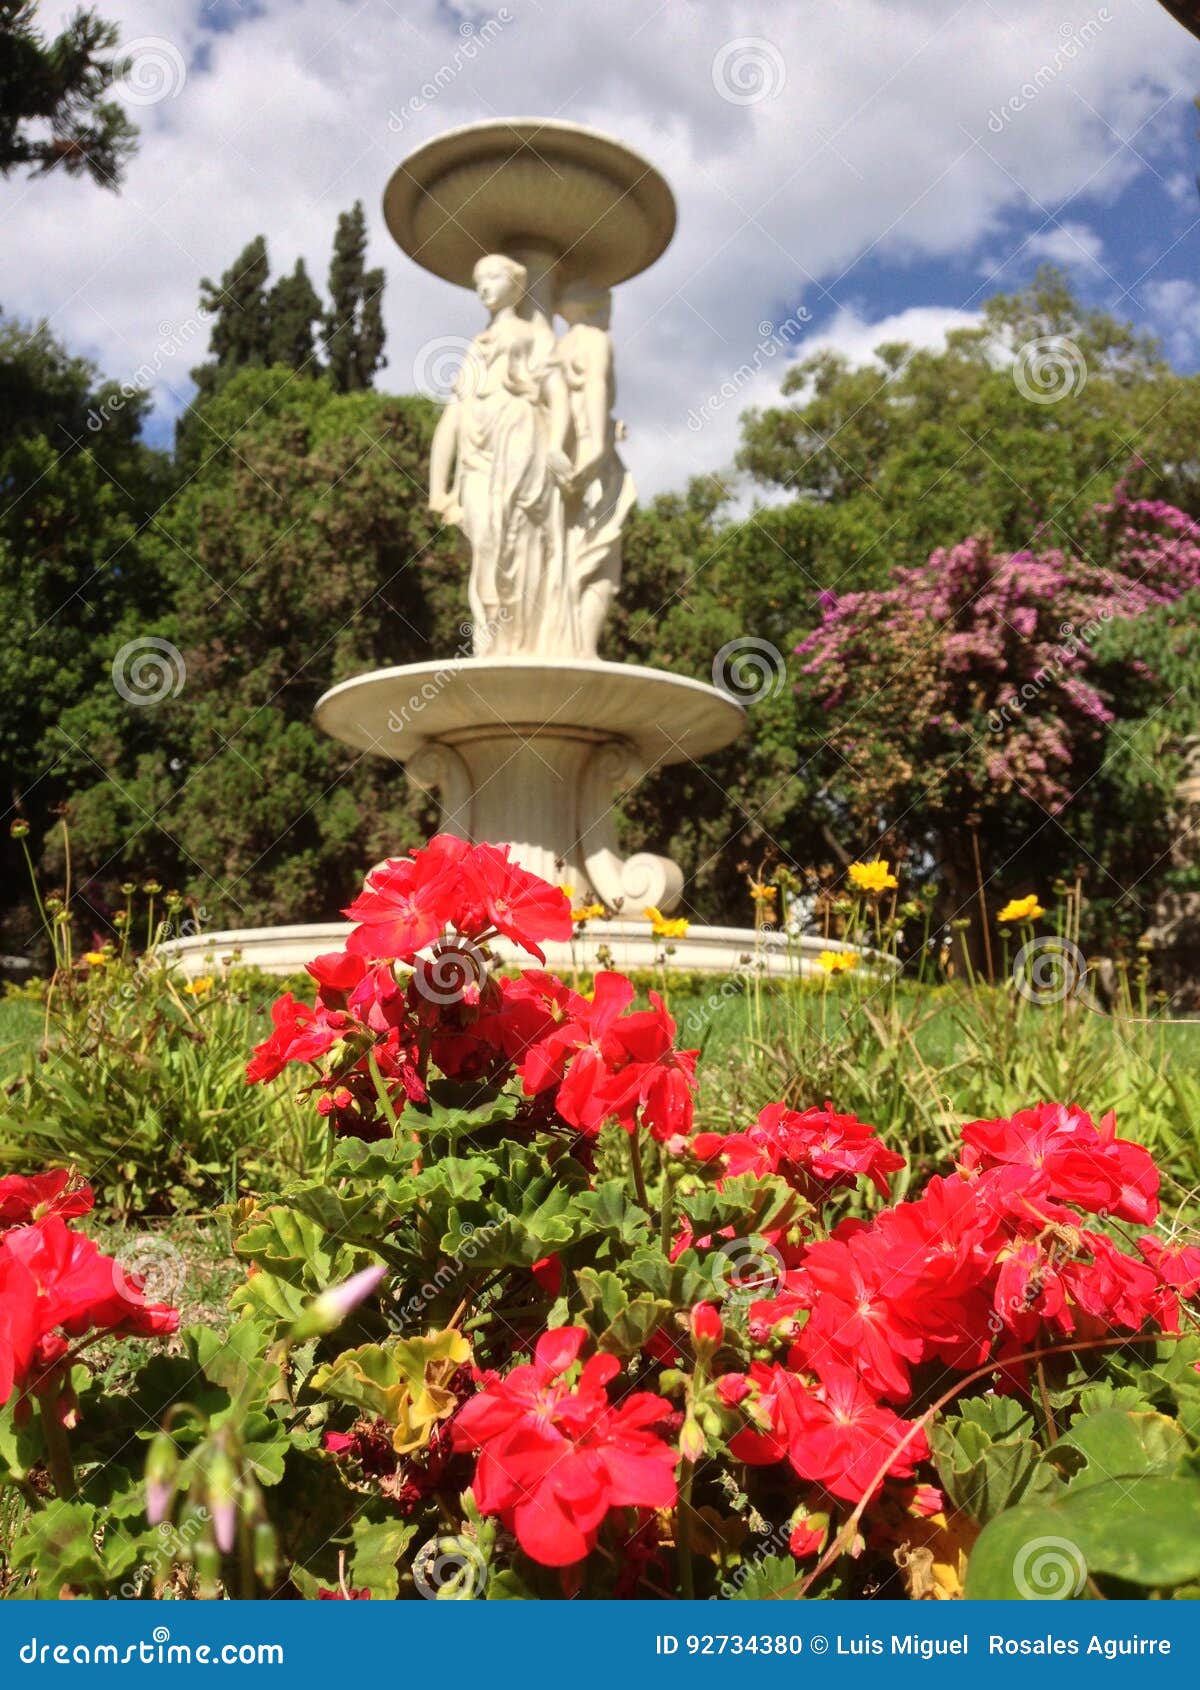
x: 876, y: 149
x: 1072, y: 245
x: 1174, y: 308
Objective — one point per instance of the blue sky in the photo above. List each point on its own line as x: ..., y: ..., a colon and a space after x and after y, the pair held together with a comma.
x: 875, y: 163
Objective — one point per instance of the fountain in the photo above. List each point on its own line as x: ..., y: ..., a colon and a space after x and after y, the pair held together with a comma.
x: 531, y: 739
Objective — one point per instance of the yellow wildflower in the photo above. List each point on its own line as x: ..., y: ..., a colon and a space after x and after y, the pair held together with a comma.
x: 567, y: 890
x: 95, y: 959
x: 837, y: 962
x: 664, y: 927
x: 196, y: 988
x: 763, y: 894
x: 875, y: 876
x: 1021, y: 909
x: 587, y: 912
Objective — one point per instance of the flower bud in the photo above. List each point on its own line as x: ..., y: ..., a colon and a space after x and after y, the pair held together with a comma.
x: 707, y: 1330
x: 222, y: 1499
x: 162, y: 1469
x: 692, y: 1442
x: 332, y: 1306
x: 18, y: 829
x: 266, y: 1556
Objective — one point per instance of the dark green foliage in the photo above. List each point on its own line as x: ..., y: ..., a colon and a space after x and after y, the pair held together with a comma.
x: 353, y: 328
x: 62, y: 81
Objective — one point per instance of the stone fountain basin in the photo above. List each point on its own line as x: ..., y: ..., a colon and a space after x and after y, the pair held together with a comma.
x: 536, y: 753
x: 397, y: 712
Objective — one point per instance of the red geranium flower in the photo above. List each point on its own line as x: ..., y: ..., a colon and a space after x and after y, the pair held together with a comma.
x: 555, y: 1458
x: 833, y: 1432
x: 499, y: 894
x: 817, y: 1149
x: 25, y: 1198
x: 1082, y: 1163
x: 407, y: 901
x: 302, y: 1034
x: 56, y: 1283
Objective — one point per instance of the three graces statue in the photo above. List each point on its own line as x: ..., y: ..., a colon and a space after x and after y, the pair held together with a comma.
x: 525, y: 462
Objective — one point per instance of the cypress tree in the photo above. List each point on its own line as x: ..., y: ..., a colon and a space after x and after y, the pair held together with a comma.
x: 353, y: 329
x: 293, y: 310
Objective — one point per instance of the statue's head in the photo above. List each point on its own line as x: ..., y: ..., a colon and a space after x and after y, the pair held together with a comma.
x: 499, y: 281
x: 584, y: 302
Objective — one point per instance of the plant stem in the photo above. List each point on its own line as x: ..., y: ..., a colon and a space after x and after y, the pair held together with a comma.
x: 683, y: 1531
x: 58, y: 1451
x: 639, y: 1178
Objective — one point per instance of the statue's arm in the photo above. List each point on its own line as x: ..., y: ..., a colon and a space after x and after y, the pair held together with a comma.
x: 442, y: 456
x: 597, y: 395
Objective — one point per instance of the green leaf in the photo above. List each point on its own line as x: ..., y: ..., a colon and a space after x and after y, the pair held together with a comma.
x: 377, y: 1548
x: 773, y: 1576
x: 1142, y: 1531
x: 1117, y: 1444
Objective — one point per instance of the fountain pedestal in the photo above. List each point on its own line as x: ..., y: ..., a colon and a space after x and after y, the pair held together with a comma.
x: 535, y: 753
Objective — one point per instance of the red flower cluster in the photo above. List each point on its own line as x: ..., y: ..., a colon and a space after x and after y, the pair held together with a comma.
x: 983, y: 1265
x: 816, y: 1150
x: 56, y: 1285
x: 587, y: 1060
x: 555, y: 1457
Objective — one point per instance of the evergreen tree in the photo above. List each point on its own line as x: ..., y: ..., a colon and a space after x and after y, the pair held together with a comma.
x: 61, y: 82
x: 241, y: 331
x: 293, y: 308
x: 353, y: 331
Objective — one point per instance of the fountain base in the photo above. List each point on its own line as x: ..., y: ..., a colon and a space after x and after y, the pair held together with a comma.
x: 534, y: 753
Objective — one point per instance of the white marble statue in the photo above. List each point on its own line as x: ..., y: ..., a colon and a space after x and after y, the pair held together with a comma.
x: 599, y: 492
x: 524, y: 461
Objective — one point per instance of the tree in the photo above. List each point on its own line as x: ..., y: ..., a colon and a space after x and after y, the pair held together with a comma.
x: 293, y: 558
x: 80, y: 489
x: 353, y: 332
x: 293, y: 310
x: 241, y: 318
x: 61, y: 82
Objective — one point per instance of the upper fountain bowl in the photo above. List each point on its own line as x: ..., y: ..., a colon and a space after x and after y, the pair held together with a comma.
x: 597, y: 207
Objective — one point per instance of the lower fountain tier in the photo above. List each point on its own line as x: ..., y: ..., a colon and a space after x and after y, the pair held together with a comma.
x: 535, y: 754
